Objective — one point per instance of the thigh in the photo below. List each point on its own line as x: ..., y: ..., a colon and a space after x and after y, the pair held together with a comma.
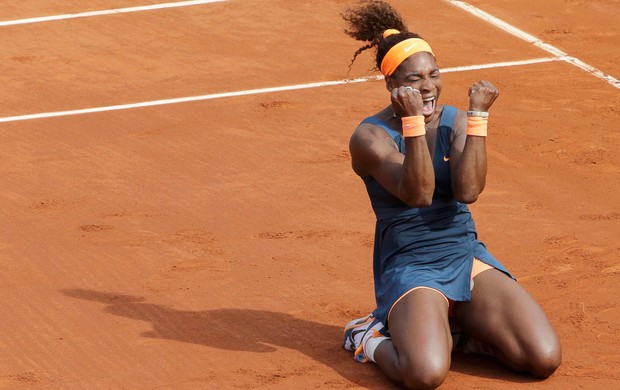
x: 420, y: 330
x: 505, y: 316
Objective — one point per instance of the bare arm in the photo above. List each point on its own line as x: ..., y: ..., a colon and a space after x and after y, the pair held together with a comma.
x: 373, y: 152
x: 468, y: 156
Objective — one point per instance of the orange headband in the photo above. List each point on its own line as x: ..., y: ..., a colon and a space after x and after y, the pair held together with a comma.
x: 401, y: 51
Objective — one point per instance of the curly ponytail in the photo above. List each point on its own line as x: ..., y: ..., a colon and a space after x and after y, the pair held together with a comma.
x: 367, y: 21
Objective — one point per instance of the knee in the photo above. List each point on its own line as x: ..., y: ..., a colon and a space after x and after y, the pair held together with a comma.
x: 428, y: 375
x: 544, y: 362
x: 540, y: 359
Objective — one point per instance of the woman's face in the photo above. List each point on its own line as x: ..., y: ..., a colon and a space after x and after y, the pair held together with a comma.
x: 419, y: 71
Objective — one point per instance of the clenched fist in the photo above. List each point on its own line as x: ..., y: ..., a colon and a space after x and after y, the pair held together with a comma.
x: 482, y: 95
x: 407, y: 101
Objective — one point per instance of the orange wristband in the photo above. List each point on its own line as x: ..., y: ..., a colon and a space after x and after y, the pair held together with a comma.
x: 477, y: 126
x: 413, y: 126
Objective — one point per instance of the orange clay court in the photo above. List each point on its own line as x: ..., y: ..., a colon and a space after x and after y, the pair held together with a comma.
x: 222, y: 241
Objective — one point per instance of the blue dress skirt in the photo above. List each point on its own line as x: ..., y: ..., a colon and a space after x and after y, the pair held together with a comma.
x: 424, y: 247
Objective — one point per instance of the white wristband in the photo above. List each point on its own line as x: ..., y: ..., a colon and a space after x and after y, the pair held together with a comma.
x: 481, y: 114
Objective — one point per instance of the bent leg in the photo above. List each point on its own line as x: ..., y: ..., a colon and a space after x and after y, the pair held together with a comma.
x: 504, y: 316
x: 418, y: 355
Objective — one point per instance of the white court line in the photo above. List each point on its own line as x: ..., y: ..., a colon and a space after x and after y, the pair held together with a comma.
x: 535, y: 41
x: 255, y: 91
x: 107, y: 12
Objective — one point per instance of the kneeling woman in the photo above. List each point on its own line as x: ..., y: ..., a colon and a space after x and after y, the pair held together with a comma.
x: 422, y: 162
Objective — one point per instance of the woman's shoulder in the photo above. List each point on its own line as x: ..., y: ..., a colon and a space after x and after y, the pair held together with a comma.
x: 377, y: 126
x: 454, y: 118
x: 373, y: 129
x: 451, y: 114
x: 372, y: 142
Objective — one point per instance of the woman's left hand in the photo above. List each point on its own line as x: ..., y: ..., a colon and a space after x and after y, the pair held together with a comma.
x: 482, y: 95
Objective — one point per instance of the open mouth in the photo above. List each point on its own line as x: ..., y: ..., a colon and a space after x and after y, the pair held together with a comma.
x: 429, y: 106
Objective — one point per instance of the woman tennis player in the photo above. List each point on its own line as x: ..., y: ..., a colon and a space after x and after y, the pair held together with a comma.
x: 422, y: 162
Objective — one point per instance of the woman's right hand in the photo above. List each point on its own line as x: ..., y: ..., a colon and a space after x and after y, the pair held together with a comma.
x: 407, y: 101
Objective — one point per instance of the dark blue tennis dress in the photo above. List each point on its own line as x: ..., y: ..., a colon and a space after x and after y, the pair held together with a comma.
x: 432, y: 246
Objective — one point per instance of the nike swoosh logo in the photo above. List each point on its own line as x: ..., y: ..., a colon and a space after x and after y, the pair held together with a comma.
x: 446, y: 159
x: 410, y: 47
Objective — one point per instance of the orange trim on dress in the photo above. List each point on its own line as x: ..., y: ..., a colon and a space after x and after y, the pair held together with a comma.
x: 477, y: 268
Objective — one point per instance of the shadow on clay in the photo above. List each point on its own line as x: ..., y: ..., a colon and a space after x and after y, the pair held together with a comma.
x: 263, y: 331
x: 243, y: 330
